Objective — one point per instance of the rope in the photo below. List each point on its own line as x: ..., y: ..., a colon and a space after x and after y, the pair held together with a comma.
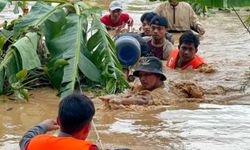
x: 241, y: 19
x: 93, y: 123
x: 97, y: 135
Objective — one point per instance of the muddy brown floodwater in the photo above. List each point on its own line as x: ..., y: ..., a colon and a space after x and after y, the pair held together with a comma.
x: 223, y: 123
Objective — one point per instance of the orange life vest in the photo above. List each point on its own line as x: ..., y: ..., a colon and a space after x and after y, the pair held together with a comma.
x: 49, y: 142
x: 194, y: 63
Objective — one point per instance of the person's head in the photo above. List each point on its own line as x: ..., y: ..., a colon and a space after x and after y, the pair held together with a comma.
x: 75, y: 115
x: 174, y: 2
x: 188, y: 46
x: 115, y: 9
x: 145, y: 20
x: 158, y: 26
x: 150, y: 73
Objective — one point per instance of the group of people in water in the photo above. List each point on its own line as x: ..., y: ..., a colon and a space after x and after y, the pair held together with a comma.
x: 157, y: 28
x: 76, y: 111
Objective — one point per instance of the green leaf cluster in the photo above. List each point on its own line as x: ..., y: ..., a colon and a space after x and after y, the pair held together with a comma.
x: 21, y: 55
x: 76, y: 47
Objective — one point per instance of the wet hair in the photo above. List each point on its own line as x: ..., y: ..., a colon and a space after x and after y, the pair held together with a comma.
x: 188, y: 37
x: 147, y: 16
x: 160, y: 21
x: 75, y: 111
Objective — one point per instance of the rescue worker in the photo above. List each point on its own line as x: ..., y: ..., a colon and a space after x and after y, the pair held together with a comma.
x: 159, y: 46
x: 185, y: 57
x: 74, y: 121
x: 180, y: 15
x: 116, y: 20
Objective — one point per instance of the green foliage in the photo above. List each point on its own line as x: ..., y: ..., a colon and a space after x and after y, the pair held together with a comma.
x: 3, y: 4
x: 73, y: 56
x: 27, y: 47
x: 39, y: 13
x: 22, y: 55
x: 102, y: 48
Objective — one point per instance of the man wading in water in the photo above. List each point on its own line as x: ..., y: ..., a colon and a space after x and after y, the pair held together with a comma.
x: 151, y: 78
x: 185, y: 57
x: 116, y: 21
x: 180, y: 15
x: 159, y: 46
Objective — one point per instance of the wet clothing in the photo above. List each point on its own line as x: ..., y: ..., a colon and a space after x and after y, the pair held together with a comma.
x: 159, y: 96
x: 168, y: 36
x: 124, y: 19
x: 160, y: 51
x: 194, y: 63
x: 180, y: 18
x: 36, y: 139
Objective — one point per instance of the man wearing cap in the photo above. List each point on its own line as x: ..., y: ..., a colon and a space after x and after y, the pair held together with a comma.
x: 159, y: 46
x: 146, y: 29
x: 116, y: 20
x: 180, y: 15
x: 151, y: 85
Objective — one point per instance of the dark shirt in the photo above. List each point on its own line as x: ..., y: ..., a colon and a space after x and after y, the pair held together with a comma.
x: 161, y: 51
x: 156, y: 51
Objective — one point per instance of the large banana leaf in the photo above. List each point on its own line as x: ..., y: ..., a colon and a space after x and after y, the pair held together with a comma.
x: 26, y: 48
x: 53, y: 26
x: 9, y: 66
x: 39, y: 13
x: 104, y: 56
x: 22, y: 55
x: 70, y: 45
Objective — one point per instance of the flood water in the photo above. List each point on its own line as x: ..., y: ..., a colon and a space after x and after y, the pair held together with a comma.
x: 221, y: 124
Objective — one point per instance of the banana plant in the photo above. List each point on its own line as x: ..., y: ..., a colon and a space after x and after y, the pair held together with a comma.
x: 18, y: 57
x: 75, y: 43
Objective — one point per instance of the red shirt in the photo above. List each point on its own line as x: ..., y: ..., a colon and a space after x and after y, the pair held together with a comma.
x: 124, y: 19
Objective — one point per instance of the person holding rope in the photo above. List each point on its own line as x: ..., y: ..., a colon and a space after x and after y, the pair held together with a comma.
x: 74, y: 119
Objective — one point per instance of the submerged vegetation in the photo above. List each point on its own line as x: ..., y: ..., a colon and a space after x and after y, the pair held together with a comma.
x: 63, y: 45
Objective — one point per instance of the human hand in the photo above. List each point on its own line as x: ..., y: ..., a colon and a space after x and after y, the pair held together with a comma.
x: 200, y: 29
x: 50, y: 124
x: 130, y: 22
